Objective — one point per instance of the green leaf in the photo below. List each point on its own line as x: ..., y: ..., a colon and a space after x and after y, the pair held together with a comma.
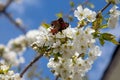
x: 45, y: 25
x: 98, y: 22
x: 96, y: 34
x: 103, y: 26
x: 59, y: 15
x: 110, y: 37
x: 72, y: 4
x: 115, y: 42
x: 102, y: 42
x: 107, y: 36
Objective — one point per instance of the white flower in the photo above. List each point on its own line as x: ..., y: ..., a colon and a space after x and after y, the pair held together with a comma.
x: 11, y: 57
x: 12, y: 53
x: 57, y: 44
x: 113, y: 21
x: 69, y: 32
x: 114, y: 12
x: 43, y: 37
x: 19, y: 21
x: 95, y: 51
x: 90, y: 15
x: 7, y: 74
x: 17, y: 45
x: 86, y: 13
x: 114, y: 17
x: 3, y: 67
x: 79, y: 13
x: 31, y: 36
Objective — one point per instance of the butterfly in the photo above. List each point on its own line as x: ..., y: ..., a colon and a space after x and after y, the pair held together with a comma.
x: 58, y: 26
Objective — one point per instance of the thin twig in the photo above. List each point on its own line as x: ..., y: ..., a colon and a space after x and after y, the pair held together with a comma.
x: 7, y: 4
x: 30, y: 64
x: 14, y: 22
x: 105, y: 7
x: 4, y: 11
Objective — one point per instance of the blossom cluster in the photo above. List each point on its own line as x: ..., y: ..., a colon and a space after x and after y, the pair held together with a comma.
x: 12, y: 53
x: 114, y: 17
x: 86, y: 13
x: 71, y: 52
x: 6, y: 74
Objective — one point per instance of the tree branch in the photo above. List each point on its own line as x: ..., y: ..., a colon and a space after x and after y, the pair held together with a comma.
x: 105, y: 7
x: 14, y: 22
x: 30, y: 64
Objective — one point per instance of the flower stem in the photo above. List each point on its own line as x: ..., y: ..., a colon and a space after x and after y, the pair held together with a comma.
x: 30, y: 64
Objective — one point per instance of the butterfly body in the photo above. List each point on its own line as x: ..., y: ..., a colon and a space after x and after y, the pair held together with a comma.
x: 58, y: 26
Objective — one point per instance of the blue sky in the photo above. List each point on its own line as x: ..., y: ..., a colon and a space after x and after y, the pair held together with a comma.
x: 33, y: 12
